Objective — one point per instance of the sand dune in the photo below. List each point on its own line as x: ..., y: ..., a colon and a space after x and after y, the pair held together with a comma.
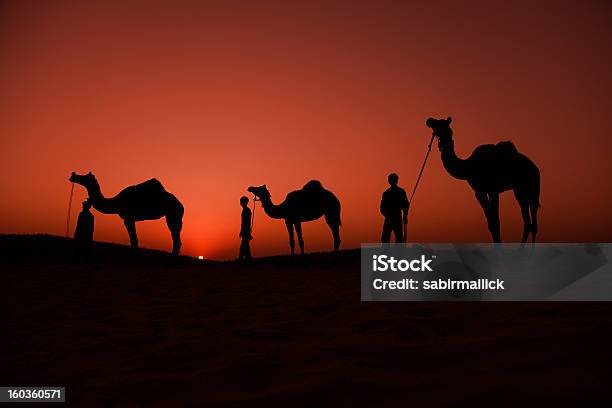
x: 163, y: 333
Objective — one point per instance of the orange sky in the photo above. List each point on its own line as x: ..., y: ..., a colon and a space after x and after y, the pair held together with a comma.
x: 213, y: 96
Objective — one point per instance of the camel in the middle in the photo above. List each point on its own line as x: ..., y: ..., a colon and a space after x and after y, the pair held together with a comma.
x: 308, y: 204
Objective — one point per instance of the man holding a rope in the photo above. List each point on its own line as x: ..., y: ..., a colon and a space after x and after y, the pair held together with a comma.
x: 394, y: 207
x: 245, y: 231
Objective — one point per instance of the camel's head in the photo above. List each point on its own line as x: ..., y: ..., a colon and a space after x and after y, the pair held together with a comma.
x: 86, y: 180
x: 442, y: 130
x: 260, y: 192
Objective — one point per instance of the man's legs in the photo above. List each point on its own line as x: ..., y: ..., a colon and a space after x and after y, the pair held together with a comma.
x: 385, y: 237
x: 245, y: 250
x: 398, y: 229
x: 241, y: 251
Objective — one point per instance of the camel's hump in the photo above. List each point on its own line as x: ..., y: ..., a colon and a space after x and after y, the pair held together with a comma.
x: 151, y: 184
x: 313, y: 185
x: 506, y: 147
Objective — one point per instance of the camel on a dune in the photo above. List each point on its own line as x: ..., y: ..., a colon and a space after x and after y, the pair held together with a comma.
x: 308, y: 204
x: 491, y: 170
x: 145, y: 201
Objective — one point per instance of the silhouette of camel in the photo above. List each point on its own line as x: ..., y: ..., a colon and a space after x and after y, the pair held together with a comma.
x: 144, y: 201
x: 491, y: 170
x: 307, y: 204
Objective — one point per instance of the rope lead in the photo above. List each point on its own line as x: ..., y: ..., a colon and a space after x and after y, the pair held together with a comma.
x: 422, y: 168
x: 416, y: 185
x: 69, y: 208
x: 253, y: 212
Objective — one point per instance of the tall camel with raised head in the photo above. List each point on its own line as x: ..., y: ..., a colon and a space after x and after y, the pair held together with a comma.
x: 490, y: 170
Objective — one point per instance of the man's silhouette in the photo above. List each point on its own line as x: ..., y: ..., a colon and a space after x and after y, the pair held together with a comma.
x: 393, y: 205
x: 245, y: 231
x: 83, y: 234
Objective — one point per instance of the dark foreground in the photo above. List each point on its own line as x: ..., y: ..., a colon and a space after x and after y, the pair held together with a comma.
x: 162, y: 333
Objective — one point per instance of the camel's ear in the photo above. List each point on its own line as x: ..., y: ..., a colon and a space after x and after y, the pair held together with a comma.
x: 73, y: 173
x: 89, y: 173
x: 449, y: 120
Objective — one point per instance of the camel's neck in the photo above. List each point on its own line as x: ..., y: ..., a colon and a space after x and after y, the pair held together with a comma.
x: 99, y: 202
x: 456, y: 167
x: 273, y: 211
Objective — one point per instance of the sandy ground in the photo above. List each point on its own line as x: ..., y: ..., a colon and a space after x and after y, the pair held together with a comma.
x: 154, y: 332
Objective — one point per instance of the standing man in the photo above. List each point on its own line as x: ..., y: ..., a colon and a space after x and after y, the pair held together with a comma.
x: 83, y: 234
x: 245, y: 231
x: 394, y: 207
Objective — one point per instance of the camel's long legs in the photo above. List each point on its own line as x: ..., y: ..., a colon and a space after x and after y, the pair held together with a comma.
x: 530, y: 222
x: 526, y: 221
x: 534, y: 220
x: 130, y: 225
x: 298, y: 230
x: 291, y: 238
x: 336, y: 234
x: 494, y: 217
x: 483, y: 199
x: 175, y: 224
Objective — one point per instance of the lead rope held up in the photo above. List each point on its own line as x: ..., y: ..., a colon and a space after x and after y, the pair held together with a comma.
x: 417, y: 184
x: 69, y: 209
x: 422, y: 168
x: 253, y: 213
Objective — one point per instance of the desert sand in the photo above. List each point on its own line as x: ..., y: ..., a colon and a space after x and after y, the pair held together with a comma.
x: 163, y: 332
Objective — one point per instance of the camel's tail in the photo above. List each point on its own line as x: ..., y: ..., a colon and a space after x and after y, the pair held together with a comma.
x: 332, y: 216
x: 338, y: 213
x: 333, y: 219
x: 533, y: 209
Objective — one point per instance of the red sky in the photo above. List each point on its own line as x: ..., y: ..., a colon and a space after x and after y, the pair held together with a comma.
x: 213, y: 96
